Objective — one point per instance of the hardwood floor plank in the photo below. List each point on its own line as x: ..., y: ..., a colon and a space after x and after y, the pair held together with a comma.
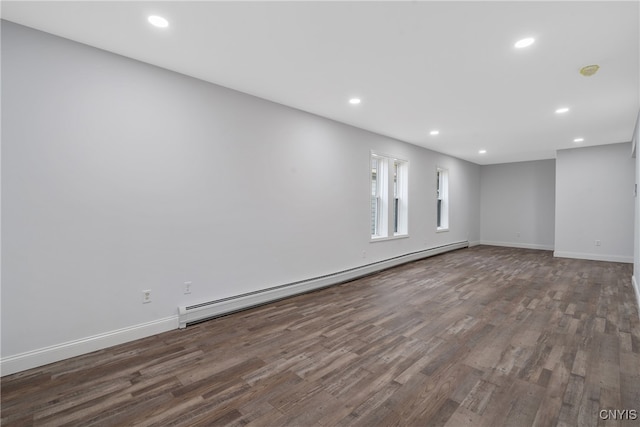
x: 525, y: 406
x: 478, y: 398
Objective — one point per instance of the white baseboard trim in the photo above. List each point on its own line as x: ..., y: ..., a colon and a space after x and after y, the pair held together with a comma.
x: 43, y: 356
x: 474, y: 243
x: 518, y: 245
x: 634, y: 284
x: 594, y: 257
x: 211, y: 309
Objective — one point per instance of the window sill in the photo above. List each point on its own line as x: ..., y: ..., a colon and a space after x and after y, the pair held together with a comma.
x: 394, y: 237
x: 442, y: 230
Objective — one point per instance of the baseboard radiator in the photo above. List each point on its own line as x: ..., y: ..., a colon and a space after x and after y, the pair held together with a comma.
x: 191, y: 314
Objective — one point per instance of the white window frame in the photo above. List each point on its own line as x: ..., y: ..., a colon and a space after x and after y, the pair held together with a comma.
x: 389, y: 195
x: 379, y: 191
x: 442, y: 199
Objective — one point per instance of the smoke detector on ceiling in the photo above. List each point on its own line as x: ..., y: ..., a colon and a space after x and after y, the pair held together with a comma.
x: 589, y: 70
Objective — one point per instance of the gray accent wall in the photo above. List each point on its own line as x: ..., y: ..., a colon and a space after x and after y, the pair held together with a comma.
x: 595, y: 202
x: 119, y: 177
x: 517, y: 204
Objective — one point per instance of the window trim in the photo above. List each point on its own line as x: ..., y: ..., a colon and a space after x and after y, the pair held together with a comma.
x: 442, y: 189
x: 387, y: 181
x: 401, y: 215
x: 379, y: 227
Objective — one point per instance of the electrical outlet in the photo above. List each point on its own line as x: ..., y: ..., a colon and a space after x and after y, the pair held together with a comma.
x: 518, y: 234
x: 597, y: 242
x: 187, y: 288
x: 146, y: 296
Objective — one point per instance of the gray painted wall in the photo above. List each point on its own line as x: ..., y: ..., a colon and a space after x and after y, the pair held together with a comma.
x: 118, y: 176
x: 594, y: 201
x: 517, y: 204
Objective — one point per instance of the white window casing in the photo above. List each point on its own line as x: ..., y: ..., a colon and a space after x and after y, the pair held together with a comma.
x: 389, y: 197
x: 442, y: 199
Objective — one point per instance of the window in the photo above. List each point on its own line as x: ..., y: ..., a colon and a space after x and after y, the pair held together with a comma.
x: 389, y: 207
x: 400, y: 209
x: 376, y: 196
x: 442, y: 191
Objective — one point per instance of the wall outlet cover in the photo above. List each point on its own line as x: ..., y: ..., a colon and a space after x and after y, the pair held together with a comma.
x: 146, y: 296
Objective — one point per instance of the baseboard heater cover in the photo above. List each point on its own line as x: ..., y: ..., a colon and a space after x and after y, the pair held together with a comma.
x: 191, y: 314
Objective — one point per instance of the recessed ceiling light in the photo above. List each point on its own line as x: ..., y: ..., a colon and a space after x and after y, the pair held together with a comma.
x: 578, y: 140
x: 482, y: 152
x: 434, y: 132
x: 524, y: 42
x: 355, y: 101
x: 158, y: 21
x: 562, y: 110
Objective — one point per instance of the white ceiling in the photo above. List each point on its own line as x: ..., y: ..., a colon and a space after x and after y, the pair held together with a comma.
x: 417, y: 66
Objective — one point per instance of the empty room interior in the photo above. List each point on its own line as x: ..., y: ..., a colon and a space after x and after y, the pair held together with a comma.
x: 320, y: 213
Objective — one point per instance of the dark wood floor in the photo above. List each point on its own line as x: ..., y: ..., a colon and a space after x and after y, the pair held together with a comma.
x: 478, y: 337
